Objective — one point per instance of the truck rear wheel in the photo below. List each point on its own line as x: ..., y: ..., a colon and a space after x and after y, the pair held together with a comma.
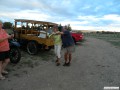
x: 32, y: 47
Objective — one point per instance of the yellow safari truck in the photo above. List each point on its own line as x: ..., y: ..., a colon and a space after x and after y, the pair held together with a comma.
x: 34, y: 35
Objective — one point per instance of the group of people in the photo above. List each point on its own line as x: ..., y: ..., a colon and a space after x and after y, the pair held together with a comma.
x: 63, y: 39
x: 4, y: 51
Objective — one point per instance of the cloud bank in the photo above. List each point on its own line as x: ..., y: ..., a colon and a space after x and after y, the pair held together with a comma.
x: 80, y: 14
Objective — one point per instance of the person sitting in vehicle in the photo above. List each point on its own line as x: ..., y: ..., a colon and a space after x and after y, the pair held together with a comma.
x: 50, y: 30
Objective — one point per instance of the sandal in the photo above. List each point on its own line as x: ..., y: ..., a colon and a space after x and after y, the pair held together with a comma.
x: 58, y: 64
x: 2, y: 77
x: 68, y: 64
x: 65, y: 64
x: 56, y: 61
x: 4, y: 72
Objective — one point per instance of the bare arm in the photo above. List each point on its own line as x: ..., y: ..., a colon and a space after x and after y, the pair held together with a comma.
x: 59, y: 33
x: 3, y: 39
x: 9, y: 37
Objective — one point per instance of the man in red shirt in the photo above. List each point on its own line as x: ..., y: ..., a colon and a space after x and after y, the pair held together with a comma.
x: 4, y: 51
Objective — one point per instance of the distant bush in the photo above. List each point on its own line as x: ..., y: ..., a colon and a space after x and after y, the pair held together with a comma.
x: 7, y: 25
x: 108, y: 32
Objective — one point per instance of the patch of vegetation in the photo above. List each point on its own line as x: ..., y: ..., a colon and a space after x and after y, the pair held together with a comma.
x: 115, y: 43
x: 46, y: 55
x: 9, y: 31
x: 113, y: 38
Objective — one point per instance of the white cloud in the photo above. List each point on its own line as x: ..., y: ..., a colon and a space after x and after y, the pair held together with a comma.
x: 26, y: 14
x: 105, y: 28
x: 86, y: 7
x: 83, y: 28
x: 113, y: 17
x: 88, y: 18
x: 98, y: 8
x: 91, y: 15
x: 75, y: 23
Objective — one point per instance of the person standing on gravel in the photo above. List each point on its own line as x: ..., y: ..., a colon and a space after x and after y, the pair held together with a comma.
x: 57, y: 44
x: 4, y: 51
x: 68, y: 44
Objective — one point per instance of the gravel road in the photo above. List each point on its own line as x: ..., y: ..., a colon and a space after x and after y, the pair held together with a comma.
x: 95, y: 64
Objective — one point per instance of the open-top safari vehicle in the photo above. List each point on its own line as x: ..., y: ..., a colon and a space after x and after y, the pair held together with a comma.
x: 34, y: 34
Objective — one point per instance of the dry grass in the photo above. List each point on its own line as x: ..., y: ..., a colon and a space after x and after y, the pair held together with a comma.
x: 114, y: 39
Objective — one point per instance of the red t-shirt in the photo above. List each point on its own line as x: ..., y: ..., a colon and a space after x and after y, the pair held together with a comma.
x: 4, y: 46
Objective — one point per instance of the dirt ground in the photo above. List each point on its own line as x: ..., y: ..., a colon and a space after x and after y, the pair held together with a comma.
x: 95, y: 64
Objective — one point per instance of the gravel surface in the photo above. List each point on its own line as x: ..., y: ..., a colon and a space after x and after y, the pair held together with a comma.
x: 95, y: 64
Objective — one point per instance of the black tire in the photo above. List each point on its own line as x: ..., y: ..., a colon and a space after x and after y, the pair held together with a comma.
x: 15, y: 55
x: 32, y: 47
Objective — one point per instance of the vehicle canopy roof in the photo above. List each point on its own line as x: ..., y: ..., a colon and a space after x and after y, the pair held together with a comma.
x: 35, y: 22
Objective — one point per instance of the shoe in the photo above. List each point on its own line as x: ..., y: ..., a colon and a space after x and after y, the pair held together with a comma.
x: 4, y: 72
x: 65, y: 64
x: 58, y: 64
x: 2, y: 77
x: 56, y: 61
x: 68, y: 64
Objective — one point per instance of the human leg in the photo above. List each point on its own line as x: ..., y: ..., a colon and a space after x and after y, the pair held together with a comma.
x: 0, y: 68
x: 58, y: 54
x: 2, y: 56
x: 55, y: 51
x: 66, y: 58
x: 4, y: 64
x: 1, y: 76
x: 70, y: 57
x: 70, y: 51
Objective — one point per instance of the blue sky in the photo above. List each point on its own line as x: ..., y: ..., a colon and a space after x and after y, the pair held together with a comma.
x: 80, y: 14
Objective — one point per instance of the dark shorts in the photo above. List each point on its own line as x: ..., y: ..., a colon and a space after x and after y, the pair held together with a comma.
x: 4, y: 55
